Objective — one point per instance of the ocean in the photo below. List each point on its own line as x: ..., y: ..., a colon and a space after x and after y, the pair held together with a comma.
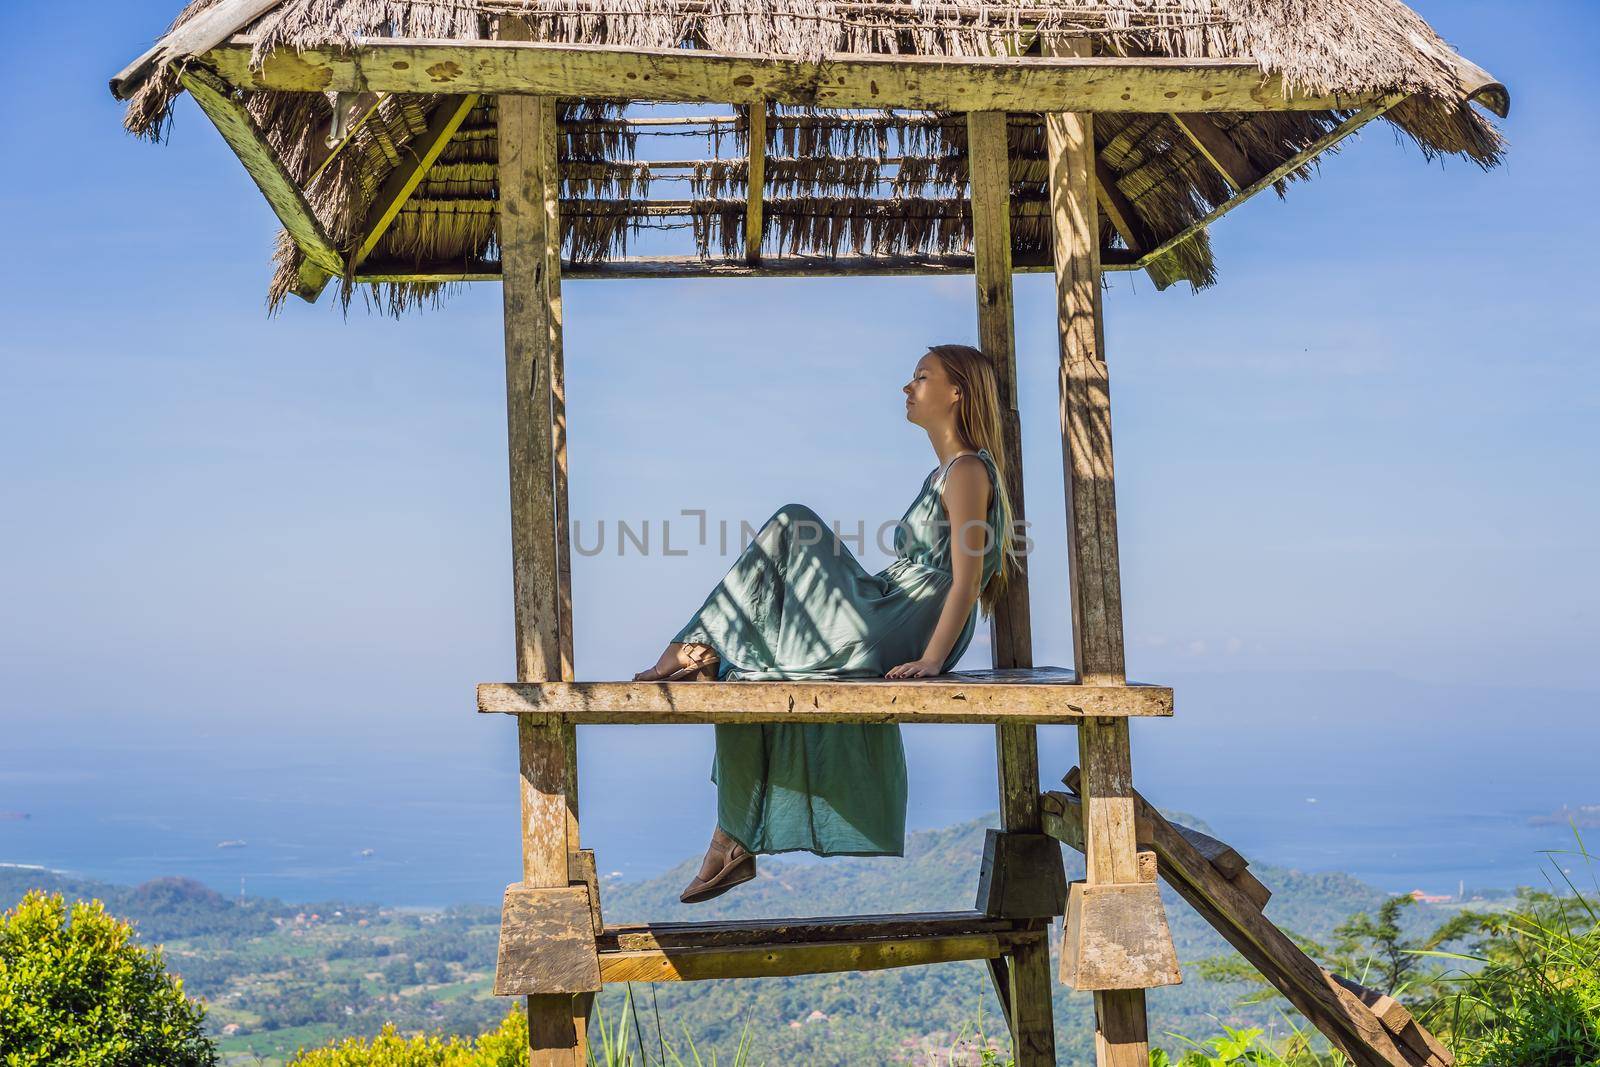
x: 1405, y: 785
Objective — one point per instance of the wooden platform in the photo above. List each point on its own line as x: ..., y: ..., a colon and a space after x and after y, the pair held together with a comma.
x: 681, y: 952
x: 1033, y: 695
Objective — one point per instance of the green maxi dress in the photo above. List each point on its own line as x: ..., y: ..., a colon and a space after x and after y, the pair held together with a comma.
x: 797, y: 605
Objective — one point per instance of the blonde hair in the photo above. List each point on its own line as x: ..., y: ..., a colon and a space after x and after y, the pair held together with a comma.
x: 978, y: 423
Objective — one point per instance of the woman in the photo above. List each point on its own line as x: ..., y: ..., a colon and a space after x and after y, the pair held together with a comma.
x: 797, y: 604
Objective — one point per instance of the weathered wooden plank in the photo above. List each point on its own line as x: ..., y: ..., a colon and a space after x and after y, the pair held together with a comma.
x: 767, y: 961
x: 1222, y: 856
x: 755, y: 181
x: 1021, y: 876
x: 449, y: 113
x: 970, y: 697
x: 259, y: 159
x: 636, y: 937
x: 1397, y: 1019
x: 1218, y: 148
x: 972, y: 83
x: 546, y: 942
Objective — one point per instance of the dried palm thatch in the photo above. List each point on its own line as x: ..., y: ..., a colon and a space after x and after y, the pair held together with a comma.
x: 874, y: 184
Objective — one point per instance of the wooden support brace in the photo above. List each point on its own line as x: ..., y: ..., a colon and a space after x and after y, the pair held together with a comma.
x: 448, y: 115
x: 239, y: 129
x: 1333, y: 1009
x: 1220, y: 855
x: 1021, y: 876
x: 1117, y: 938
x: 1219, y: 149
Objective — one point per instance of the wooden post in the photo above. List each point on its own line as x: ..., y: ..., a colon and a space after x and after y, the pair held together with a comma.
x: 530, y: 242
x: 1121, y: 1026
x: 755, y: 180
x: 1016, y: 747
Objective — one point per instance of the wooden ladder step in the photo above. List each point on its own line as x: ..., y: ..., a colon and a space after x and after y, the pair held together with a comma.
x: 1033, y: 695
x: 685, y: 952
x: 1368, y: 1027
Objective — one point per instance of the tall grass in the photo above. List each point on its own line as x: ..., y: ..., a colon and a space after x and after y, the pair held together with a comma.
x: 615, y: 1049
x: 1529, y: 995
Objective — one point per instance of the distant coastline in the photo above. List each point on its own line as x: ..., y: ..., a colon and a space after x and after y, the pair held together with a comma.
x: 1584, y: 817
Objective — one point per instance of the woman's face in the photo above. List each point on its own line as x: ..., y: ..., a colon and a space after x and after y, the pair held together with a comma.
x: 931, y: 396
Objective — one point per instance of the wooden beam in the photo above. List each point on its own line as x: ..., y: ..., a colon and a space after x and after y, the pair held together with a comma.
x: 755, y: 181
x: 530, y: 236
x: 204, y: 31
x: 1032, y: 696
x: 239, y: 129
x: 1016, y: 744
x: 768, y: 961
x: 1271, y: 178
x: 1021, y: 83
x: 1121, y: 1022
x: 448, y: 115
x: 1218, y: 148
x: 801, y: 266
x: 1135, y: 234
x: 726, y: 933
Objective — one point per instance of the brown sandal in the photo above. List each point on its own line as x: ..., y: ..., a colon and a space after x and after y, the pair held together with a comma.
x: 702, y: 670
x: 730, y: 865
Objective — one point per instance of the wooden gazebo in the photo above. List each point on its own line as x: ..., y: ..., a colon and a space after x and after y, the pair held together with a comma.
x: 408, y: 145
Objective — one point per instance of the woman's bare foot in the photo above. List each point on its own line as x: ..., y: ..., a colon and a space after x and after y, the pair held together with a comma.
x: 682, y: 662
x: 726, y: 864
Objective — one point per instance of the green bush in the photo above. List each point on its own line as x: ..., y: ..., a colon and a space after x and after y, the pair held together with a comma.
x: 77, y: 991
x: 504, y: 1046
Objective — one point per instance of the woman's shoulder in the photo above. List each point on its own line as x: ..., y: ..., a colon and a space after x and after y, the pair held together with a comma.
x: 974, y: 475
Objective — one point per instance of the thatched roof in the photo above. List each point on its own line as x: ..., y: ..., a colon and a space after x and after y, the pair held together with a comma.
x: 883, y: 183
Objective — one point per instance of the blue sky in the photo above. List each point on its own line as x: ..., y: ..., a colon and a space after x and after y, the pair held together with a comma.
x: 1370, y: 448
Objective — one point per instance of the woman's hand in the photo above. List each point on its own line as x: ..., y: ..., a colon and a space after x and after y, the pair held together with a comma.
x: 917, y: 668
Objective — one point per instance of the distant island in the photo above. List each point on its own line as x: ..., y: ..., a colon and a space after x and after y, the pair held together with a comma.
x: 13, y: 816
x: 1584, y: 817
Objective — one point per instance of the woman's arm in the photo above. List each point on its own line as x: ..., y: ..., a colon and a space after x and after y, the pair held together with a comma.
x: 966, y: 501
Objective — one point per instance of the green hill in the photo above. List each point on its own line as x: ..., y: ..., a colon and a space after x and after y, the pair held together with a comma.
x: 277, y: 976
